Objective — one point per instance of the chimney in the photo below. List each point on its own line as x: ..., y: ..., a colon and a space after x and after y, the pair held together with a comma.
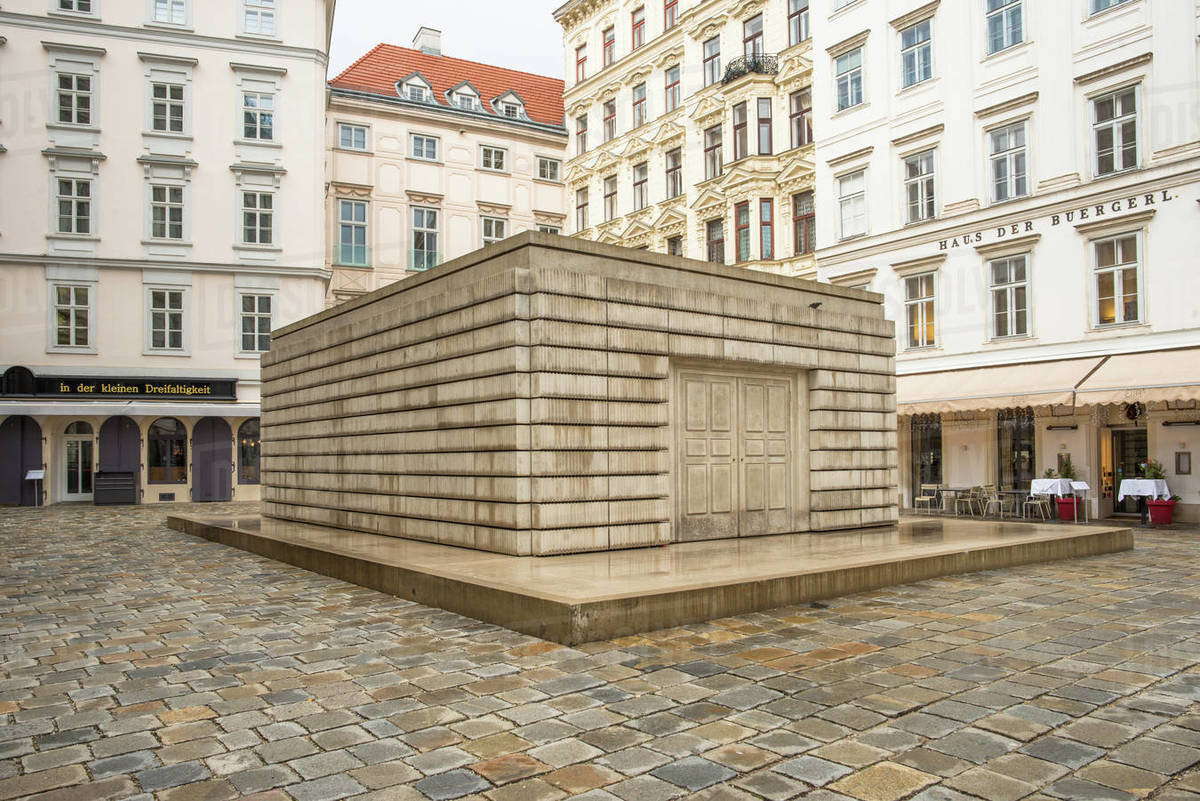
x: 428, y: 40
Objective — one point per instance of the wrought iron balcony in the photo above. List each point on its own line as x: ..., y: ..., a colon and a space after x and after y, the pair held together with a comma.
x: 744, y: 65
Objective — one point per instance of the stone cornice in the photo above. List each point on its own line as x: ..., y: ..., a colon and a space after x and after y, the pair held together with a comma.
x: 854, y: 155
x: 845, y: 45
x: 1113, y: 69
x: 917, y: 136
x: 1017, y: 243
x: 916, y: 15
x: 1006, y: 106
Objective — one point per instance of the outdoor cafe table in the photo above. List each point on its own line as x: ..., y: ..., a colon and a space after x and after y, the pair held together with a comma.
x: 1143, y: 488
x: 1050, y: 486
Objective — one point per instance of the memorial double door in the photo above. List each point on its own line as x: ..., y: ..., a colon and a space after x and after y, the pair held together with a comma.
x: 734, y: 437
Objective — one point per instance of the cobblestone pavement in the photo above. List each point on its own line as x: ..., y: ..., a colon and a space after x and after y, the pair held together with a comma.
x: 139, y: 662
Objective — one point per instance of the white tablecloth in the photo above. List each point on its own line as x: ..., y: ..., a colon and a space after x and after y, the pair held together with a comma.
x: 1143, y: 487
x: 1050, y: 486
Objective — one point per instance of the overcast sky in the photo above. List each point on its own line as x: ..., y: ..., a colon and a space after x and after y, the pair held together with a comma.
x: 518, y: 34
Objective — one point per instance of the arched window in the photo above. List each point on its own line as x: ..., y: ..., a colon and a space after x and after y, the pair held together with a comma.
x: 166, y: 452
x: 79, y: 428
x: 247, y: 452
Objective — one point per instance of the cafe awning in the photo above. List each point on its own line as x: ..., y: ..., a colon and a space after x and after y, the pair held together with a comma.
x: 1158, y: 375
x: 1003, y: 387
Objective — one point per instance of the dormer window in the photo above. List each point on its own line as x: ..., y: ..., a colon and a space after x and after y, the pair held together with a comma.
x: 510, y: 110
x: 466, y: 101
x: 415, y: 88
x: 417, y: 92
x: 510, y: 105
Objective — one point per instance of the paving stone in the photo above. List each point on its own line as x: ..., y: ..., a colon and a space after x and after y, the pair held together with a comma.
x: 770, y: 785
x: 452, y: 784
x: 125, y: 763
x: 812, y: 770
x: 1122, y: 777
x: 693, y: 773
x: 974, y: 745
x: 329, y: 788
x: 1063, y: 752
x: 156, y: 779
x: 1074, y: 789
x: 645, y: 788
x: 260, y: 779
x: 990, y: 785
x: 885, y: 781
x: 1156, y: 756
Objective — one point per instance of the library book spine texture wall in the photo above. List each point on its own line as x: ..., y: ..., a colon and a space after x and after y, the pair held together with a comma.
x: 548, y: 395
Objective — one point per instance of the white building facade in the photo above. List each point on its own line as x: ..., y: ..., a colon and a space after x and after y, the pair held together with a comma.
x: 691, y: 128
x: 163, y: 211
x: 431, y: 157
x: 1020, y: 181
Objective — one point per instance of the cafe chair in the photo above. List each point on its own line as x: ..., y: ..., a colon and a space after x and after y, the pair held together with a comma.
x: 972, y: 499
x: 1039, y: 504
x: 928, y: 497
x: 1001, y: 502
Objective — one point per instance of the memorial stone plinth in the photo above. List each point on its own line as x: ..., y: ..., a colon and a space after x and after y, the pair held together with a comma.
x: 547, y: 395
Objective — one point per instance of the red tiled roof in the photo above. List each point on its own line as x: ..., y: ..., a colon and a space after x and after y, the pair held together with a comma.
x: 378, y: 71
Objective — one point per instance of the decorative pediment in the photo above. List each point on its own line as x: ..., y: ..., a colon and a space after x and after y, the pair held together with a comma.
x: 709, y: 198
x: 744, y: 182
x: 549, y: 217
x: 577, y: 174
x: 637, y: 74
x: 428, y: 198
x: 609, y: 232
x: 494, y: 209
x: 706, y: 110
x: 671, y: 220
x: 708, y: 27
x: 638, y: 232
x: 797, y: 174
x: 634, y: 146
x: 795, y: 71
x: 669, y: 58
x: 668, y: 132
x: 745, y: 9
x: 580, y: 108
x: 608, y: 91
x: 604, y: 160
x: 344, y: 189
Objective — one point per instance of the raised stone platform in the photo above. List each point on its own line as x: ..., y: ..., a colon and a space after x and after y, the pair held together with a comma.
x: 578, y: 598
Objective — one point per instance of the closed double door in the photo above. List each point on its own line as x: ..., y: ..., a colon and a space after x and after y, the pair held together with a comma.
x: 736, y: 456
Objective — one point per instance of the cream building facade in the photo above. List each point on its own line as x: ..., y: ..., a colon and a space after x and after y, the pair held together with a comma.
x: 431, y: 157
x: 1020, y: 181
x: 691, y: 129
x: 163, y: 211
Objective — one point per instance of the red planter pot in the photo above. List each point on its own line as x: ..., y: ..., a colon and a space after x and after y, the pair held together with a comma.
x: 1069, y: 509
x: 1161, y: 512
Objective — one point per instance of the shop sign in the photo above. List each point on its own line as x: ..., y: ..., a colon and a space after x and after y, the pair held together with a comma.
x: 153, y: 388
x: 1088, y: 213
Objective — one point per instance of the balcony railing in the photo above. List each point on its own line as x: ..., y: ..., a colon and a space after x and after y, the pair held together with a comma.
x: 351, y: 255
x: 423, y: 259
x: 744, y: 65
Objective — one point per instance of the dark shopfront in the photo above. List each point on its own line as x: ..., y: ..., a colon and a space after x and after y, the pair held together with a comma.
x: 113, y: 440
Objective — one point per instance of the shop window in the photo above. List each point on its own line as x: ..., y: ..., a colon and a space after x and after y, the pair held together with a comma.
x: 166, y: 452
x: 1014, y: 448
x: 248, y: 452
x: 926, y: 451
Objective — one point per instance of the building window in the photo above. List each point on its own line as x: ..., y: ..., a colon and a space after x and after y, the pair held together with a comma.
x: 918, y: 187
x: 852, y: 204
x: 74, y: 206
x: 166, y: 212
x: 609, y: 50
x: 72, y: 316
x: 166, y: 319
x: 675, y: 246
x: 840, y: 4
x: 712, y: 152
x: 258, y: 211
x: 610, y: 120
x: 248, y: 452
x: 549, y: 229
x: 74, y: 99
x: 610, y: 197
x: 926, y: 451
x: 511, y: 110
x: 425, y: 253
x: 639, y: 104
x: 752, y: 36
x: 424, y: 147
x: 674, y: 160
x: 640, y: 174
x: 916, y: 54
x: 493, y: 158
x: 765, y: 144
x: 918, y: 310
x: 671, y: 80
x: 166, y: 107
x: 714, y: 236
x: 549, y: 169
x: 581, y: 125
x: 258, y: 115
x: 166, y: 452
x: 1004, y: 25
x: 580, y: 63
x: 256, y: 323
x: 171, y: 12
x: 1008, y: 162
x: 637, y: 22
x: 1103, y: 5
x: 352, y: 137
x: 1114, y: 127
x: 352, y: 233
x: 76, y: 6
x: 1014, y: 448
x: 260, y: 17
x: 801, y: 117
x: 1116, y: 264
x: 1010, y: 296
x: 804, y: 224
x: 494, y: 229
x: 417, y: 92
x: 581, y: 209
x: 466, y: 100
x: 766, y: 228
x: 670, y: 14
x: 741, y: 231
x: 798, y: 29
x: 849, y: 77
x: 739, y: 131
x: 712, y: 61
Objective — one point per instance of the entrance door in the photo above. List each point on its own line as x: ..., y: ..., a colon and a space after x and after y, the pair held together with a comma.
x: 77, y: 462
x: 212, y: 460
x: 20, y: 452
x: 1129, y: 450
x: 735, y: 456
x: 120, y: 446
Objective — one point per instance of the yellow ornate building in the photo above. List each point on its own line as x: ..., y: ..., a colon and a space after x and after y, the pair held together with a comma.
x: 691, y: 128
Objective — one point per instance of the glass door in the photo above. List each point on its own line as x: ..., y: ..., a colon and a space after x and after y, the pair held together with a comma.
x: 77, y: 462
x: 1129, y: 451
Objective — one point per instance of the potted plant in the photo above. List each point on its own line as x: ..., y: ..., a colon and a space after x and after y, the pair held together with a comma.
x: 1161, y: 512
x: 1070, y: 508
x: 1049, y: 473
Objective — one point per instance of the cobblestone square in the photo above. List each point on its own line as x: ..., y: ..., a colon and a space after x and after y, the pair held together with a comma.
x: 140, y: 662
